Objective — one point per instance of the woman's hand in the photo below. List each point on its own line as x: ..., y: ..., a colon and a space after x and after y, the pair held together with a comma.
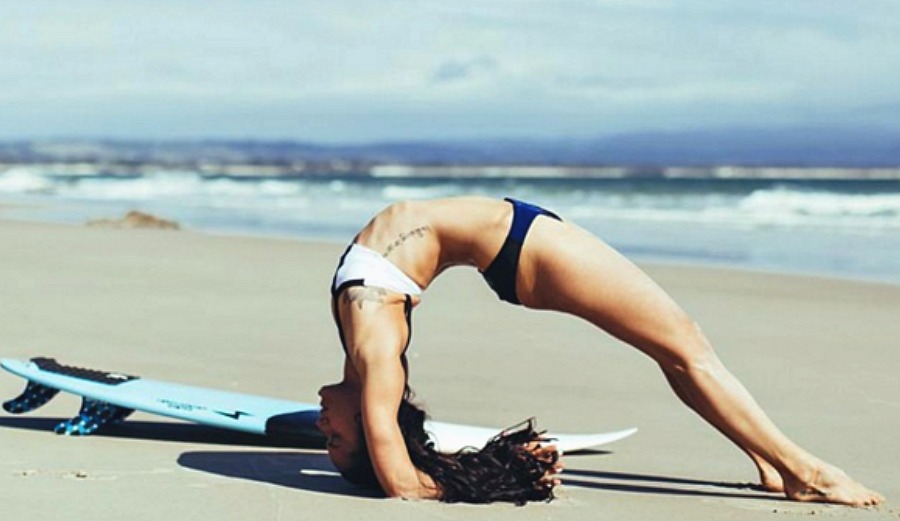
x: 548, y: 454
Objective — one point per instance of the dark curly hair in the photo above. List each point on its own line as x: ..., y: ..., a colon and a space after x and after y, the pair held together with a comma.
x: 503, y: 470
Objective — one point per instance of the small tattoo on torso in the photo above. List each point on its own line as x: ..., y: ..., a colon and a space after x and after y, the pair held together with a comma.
x: 417, y: 233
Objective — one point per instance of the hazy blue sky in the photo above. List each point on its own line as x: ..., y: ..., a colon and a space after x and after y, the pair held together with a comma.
x: 382, y: 70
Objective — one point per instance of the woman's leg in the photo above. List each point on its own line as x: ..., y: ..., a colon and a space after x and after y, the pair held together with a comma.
x: 769, y: 478
x: 567, y: 269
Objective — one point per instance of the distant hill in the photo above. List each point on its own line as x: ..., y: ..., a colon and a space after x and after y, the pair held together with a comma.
x: 817, y: 147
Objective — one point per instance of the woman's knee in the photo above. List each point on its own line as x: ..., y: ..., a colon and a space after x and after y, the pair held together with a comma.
x: 688, y: 351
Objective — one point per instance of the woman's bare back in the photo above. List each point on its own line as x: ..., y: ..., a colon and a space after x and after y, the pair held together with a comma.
x: 423, y: 238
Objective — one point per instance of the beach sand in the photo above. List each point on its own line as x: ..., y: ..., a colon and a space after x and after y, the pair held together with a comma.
x: 252, y: 315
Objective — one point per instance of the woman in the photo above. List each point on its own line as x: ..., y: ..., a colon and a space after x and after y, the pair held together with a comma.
x: 530, y: 257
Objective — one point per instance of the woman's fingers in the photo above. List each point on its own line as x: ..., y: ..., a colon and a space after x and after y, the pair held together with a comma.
x: 547, y: 454
x: 543, y: 452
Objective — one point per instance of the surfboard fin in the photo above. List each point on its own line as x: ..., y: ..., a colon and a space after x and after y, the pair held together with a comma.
x: 33, y: 397
x: 93, y: 415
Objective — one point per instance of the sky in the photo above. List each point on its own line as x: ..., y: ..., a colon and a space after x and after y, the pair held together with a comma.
x: 365, y: 71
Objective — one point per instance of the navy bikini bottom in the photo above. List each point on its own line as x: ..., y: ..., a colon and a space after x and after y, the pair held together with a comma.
x: 501, y: 274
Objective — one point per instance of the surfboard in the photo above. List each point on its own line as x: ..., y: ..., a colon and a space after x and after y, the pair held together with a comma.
x: 109, y: 397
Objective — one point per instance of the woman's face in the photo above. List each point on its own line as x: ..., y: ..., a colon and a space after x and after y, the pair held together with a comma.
x: 339, y: 420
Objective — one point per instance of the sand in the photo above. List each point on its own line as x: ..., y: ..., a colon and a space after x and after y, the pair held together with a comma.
x: 251, y: 315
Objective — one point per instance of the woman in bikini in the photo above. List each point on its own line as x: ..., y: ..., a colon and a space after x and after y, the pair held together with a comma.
x: 530, y: 257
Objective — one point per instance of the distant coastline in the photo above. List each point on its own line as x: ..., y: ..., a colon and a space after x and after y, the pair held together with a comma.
x: 343, y: 169
x: 855, y: 154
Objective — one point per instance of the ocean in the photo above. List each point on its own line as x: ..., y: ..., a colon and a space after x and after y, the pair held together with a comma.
x: 846, y: 228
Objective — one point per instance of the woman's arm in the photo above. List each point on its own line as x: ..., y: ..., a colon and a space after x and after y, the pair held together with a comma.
x: 383, y: 384
x: 376, y: 332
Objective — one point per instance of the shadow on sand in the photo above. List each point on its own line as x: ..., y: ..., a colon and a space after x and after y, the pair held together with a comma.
x: 167, y: 431
x: 664, y: 485
x: 314, y: 472
x: 311, y: 472
x: 299, y: 469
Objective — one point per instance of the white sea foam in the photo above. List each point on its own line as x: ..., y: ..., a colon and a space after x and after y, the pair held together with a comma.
x: 822, y: 204
x: 139, y: 189
x: 771, y: 206
x: 393, y: 192
x: 24, y: 180
x: 768, y: 207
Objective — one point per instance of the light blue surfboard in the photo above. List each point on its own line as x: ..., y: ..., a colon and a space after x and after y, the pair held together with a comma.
x: 109, y: 397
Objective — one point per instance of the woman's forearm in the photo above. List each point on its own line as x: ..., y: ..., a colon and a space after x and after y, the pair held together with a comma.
x: 382, y: 390
x: 421, y: 488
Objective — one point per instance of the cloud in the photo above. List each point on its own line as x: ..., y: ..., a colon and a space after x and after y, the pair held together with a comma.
x: 452, y: 71
x: 411, y: 69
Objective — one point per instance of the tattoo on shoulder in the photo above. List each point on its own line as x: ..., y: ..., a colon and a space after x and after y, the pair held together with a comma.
x: 364, y: 294
x: 416, y: 233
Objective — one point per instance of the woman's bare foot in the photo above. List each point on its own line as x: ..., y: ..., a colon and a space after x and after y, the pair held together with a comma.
x: 829, y: 484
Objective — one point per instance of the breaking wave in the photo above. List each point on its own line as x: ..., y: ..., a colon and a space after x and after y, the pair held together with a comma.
x: 714, y: 202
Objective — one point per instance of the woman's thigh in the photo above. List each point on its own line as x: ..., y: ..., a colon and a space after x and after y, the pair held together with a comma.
x: 565, y: 268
